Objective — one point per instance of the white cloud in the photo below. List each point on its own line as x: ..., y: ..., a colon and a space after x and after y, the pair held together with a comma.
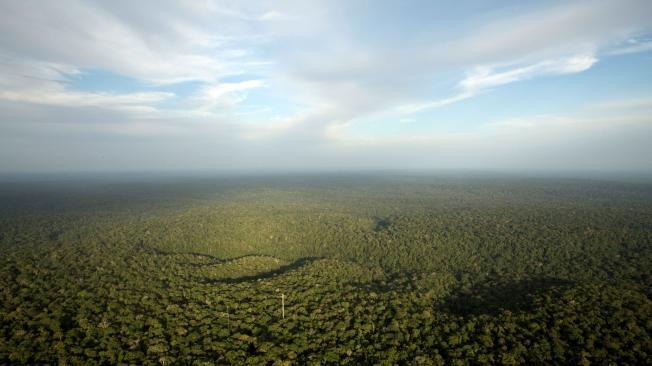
x: 414, y: 108
x: 179, y: 43
x: 138, y: 102
x: 221, y: 96
x: 486, y: 78
x: 364, y: 77
x: 42, y: 46
x: 328, y: 57
x: 568, y: 28
x: 44, y: 83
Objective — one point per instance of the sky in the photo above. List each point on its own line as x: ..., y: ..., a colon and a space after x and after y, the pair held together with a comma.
x: 325, y: 85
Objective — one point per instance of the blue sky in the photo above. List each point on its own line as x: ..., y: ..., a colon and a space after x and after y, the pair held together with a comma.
x: 321, y: 85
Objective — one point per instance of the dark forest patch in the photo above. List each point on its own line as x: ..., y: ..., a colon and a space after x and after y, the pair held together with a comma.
x: 381, y: 223
x: 493, y: 297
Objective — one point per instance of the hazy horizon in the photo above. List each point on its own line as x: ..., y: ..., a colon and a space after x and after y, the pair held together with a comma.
x: 80, y: 178
x: 326, y: 86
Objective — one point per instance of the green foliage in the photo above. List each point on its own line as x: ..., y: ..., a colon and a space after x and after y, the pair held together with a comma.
x: 408, y: 270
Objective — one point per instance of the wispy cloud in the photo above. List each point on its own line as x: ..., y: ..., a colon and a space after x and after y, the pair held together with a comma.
x: 220, y: 96
x: 200, y: 68
x: 138, y: 102
x: 182, y: 42
x: 485, y: 78
x: 631, y: 46
x: 43, y: 83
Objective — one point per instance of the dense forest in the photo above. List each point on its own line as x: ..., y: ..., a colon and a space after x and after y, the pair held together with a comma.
x: 340, y: 269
